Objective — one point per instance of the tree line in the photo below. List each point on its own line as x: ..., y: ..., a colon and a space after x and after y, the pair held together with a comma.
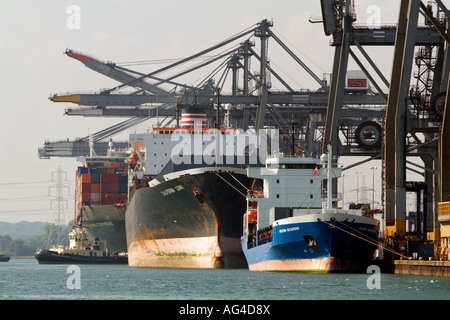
x: 21, y: 247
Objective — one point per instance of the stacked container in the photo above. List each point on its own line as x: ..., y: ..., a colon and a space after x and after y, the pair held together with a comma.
x: 102, y: 181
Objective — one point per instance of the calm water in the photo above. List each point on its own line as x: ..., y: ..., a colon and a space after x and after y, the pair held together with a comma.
x: 26, y: 279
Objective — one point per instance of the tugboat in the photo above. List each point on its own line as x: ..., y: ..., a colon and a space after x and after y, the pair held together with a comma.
x: 80, y: 252
x: 4, y: 258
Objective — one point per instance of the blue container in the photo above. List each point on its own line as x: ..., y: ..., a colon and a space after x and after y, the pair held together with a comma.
x: 123, y: 188
x: 95, y: 177
x: 82, y: 170
x: 123, y: 179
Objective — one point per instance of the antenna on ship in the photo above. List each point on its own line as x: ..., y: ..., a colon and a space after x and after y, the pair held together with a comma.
x: 329, y: 157
x: 329, y: 181
x: 91, y: 145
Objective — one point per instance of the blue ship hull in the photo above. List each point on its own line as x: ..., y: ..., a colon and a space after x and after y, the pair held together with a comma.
x: 330, y: 245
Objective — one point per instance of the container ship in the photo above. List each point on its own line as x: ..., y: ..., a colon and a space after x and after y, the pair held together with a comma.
x: 290, y: 226
x: 187, y: 196
x: 101, y: 197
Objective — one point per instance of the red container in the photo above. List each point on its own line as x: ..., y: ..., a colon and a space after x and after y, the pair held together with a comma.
x: 109, y: 177
x: 109, y: 188
x: 84, y: 188
x: 114, y: 198
x: 85, y: 197
x: 95, y: 187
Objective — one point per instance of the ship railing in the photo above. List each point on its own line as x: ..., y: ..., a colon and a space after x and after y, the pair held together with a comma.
x: 356, y: 212
x: 335, y: 196
x: 258, y: 242
x: 279, y: 154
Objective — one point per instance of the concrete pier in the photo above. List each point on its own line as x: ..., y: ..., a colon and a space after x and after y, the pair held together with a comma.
x: 421, y: 267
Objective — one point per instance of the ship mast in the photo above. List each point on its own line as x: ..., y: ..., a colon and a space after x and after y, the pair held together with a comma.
x: 329, y: 182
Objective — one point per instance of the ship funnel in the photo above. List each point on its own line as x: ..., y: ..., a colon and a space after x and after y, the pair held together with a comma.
x: 193, y: 117
x: 191, y: 120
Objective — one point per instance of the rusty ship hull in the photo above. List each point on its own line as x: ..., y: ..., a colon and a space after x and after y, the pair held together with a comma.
x: 193, y: 219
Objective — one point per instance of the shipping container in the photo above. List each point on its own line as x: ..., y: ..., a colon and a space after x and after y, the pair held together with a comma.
x: 123, y: 188
x: 95, y: 187
x: 85, y: 188
x: 111, y: 198
x: 123, y: 178
x: 82, y: 170
x: 85, y: 178
x: 109, y: 178
x: 95, y: 177
x: 109, y: 187
x: 85, y: 197
x: 95, y: 197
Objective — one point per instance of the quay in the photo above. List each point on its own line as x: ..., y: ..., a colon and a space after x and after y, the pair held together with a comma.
x: 421, y: 267
x: 434, y: 268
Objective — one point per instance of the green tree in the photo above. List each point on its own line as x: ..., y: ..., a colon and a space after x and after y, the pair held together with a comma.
x: 50, y: 236
x: 4, y: 241
x: 17, y: 247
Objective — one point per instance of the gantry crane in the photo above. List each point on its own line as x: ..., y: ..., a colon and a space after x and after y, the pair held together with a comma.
x: 255, y: 104
x: 414, y: 123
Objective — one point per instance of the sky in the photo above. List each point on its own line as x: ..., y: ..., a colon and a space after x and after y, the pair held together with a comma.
x: 34, y: 35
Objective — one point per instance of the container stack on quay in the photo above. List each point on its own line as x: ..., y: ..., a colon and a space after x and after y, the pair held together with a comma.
x: 102, y: 182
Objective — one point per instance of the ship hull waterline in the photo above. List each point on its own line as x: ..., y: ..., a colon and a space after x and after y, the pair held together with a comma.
x: 316, y: 246
x: 49, y: 257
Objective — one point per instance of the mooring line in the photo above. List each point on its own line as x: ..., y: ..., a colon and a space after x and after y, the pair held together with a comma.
x: 371, y: 242
x: 238, y: 181
x: 230, y: 184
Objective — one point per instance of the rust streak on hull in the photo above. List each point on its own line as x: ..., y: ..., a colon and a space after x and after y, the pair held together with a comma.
x: 197, y: 224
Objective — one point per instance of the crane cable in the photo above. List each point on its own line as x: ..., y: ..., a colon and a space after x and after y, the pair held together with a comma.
x: 372, y: 242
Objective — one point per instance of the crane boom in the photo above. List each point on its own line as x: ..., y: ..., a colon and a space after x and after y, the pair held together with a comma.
x: 109, y: 70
